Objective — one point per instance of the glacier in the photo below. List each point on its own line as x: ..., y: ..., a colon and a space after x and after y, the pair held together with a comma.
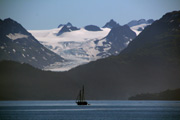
x: 77, y: 47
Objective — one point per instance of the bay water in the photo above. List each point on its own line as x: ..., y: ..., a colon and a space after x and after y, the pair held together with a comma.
x: 97, y: 110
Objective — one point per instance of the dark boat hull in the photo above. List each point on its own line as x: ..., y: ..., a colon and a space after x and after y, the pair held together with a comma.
x: 82, y: 103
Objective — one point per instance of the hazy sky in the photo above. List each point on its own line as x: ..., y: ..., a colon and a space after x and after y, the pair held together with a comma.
x: 47, y: 14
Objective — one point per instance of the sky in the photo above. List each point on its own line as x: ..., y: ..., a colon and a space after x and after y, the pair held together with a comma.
x: 48, y: 14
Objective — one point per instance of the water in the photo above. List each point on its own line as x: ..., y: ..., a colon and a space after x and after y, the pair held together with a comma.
x: 98, y: 110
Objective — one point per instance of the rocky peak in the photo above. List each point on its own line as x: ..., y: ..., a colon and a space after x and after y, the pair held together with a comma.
x: 67, y: 24
x: 92, y: 28
x: 111, y: 24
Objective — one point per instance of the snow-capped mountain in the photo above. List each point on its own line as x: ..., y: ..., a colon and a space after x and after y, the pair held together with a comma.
x: 138, y: 25
x: 117, y: 39
x: 85, y: 44
x: 19, y: 45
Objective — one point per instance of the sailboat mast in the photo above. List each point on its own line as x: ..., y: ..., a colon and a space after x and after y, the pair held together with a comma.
x: 83, y: 94
x: 80, y: 96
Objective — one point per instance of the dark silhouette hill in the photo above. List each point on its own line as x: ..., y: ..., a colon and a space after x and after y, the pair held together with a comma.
x: 165, y: 95
x: 24, y: 82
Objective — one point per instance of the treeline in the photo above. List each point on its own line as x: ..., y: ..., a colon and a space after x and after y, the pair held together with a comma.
x: 165, y: 95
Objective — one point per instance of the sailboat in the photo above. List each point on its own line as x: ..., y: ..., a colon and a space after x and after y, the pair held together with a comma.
x: 80, y: 98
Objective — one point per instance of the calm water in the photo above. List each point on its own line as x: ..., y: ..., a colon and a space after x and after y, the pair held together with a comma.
x: 98, y: 110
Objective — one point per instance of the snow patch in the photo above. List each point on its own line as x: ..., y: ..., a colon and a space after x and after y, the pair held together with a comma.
x: 126, y: 37
x: 42, y: 49
x: 48, y: 54
x: 127, y: 43
x: 171, y: 21
x: 34, y: 58
x: 44, y: 58
x: 135, y: 28
x: 14, y: 50
x: 16, y: 36
x: 2, y: 47
x: 100, y: 43
x: 23, y: 55
x: 107, y: 48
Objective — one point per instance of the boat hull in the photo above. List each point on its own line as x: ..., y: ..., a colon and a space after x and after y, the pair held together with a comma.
x: 82, y: 103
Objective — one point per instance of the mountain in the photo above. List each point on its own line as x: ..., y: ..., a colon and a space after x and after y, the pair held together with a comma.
x: 66, y: 28
x: 150, y: 63
x: 19, y: 45
x: 117, y: 39
x: 138, y: 25
x: 92, y: 28
x: 84, y: 45
x: 111, y: 24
